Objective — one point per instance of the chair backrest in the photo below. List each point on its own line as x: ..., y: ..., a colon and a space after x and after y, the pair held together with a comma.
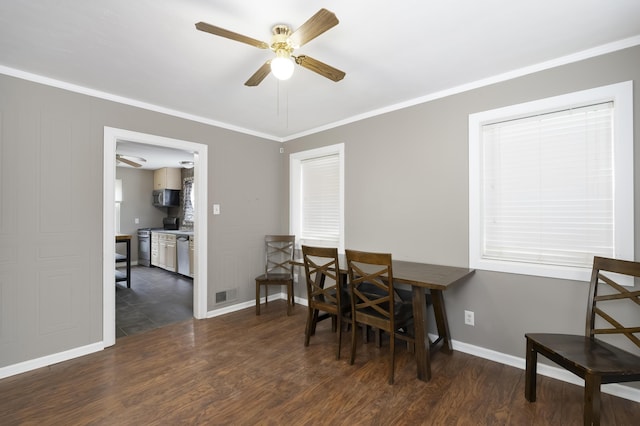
x: 279, y: 250
x: 599, y: 300
x: 371, y: 286
x: 324, y: 280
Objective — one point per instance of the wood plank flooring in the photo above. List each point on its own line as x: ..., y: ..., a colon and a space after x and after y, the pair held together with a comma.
x: 243, y: 370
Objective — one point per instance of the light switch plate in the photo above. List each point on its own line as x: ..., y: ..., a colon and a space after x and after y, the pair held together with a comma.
x: 216, y: 209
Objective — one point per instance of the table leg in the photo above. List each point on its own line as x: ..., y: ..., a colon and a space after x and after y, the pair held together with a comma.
x: 423, y: 362
x: 441, y: 320
x: 128, y: 244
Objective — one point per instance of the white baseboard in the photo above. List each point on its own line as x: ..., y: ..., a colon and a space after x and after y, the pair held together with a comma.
x: 250, y: 303
x: 558, y: 373
x: 45, y: 361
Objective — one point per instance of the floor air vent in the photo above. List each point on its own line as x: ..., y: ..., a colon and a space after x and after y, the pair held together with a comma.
x: 226, y: 296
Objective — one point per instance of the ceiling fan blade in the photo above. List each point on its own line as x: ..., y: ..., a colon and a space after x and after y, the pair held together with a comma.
x: 125, y: 161
x: 320, y: 67
x: 259, y: 75
x: 322, y: 21
x: 212, y: 29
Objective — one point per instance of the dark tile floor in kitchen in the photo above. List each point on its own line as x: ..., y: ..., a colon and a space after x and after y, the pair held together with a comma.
x: 156, y: 298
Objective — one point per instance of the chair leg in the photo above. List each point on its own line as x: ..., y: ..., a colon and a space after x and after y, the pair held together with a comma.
x: 530, y: 373
x: 257, y: 298
x: 365, y: 333
x: 339, y: 327
x: 354, y: 329
x: 293, y: 296
x: 314, y: 323
x: 308, y: 328
x: 289, y: 297
x: 592, y: 399
x: 392, y: 361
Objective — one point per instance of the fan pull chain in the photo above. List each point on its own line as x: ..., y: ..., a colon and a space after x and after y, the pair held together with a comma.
x: 286, y: 106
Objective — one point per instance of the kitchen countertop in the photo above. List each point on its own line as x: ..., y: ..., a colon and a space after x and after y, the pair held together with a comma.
x: 174, y: 232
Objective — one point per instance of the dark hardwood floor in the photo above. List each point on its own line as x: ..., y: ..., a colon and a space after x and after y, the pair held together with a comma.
x: 243, y: 370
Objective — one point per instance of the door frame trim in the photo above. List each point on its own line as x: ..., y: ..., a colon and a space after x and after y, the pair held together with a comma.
x: 200, y: 151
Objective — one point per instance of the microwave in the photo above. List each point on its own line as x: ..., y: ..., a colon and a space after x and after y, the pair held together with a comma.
x: 166, y: 198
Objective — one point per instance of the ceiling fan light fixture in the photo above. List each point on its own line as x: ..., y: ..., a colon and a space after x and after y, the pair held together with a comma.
x: 282, y: 65
x: 283, y: 43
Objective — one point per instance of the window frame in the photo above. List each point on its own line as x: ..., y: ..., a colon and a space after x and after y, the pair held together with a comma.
x: 621, y: 94
x: 295, y: 199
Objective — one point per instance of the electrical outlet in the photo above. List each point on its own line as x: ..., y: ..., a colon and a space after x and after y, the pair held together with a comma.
x: 469, y: 318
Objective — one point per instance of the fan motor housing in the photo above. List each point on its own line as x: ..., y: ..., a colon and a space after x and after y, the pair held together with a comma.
x: 280, y: 39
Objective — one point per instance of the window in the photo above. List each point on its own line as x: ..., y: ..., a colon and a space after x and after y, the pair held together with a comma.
x: 317, y: 196
x: 551, y: 184
x: 188, y: 202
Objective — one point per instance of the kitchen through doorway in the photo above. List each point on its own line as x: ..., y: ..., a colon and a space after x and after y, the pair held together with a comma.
x: 199, y: 151
x: 161, y: 291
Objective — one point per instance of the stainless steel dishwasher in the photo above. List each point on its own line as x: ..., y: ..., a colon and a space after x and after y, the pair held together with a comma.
x: 182, y: 241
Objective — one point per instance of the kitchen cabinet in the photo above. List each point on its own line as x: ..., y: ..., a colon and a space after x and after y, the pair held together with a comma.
x: 167, y: 178
x: 155, y: 255
x: 163, y: 250
x: 167, y: 252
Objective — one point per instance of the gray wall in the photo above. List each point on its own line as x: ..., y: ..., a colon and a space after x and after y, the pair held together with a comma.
x: 406, y: 192
x: 51, y: 156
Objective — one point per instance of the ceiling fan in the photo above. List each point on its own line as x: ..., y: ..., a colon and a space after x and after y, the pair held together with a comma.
x: 129, y: 159
x: 283, y: 43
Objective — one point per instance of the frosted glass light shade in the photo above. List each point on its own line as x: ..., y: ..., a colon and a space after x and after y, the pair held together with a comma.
x: 282, y: 68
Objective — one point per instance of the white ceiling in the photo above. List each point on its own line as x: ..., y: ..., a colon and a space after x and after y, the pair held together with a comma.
x: 155, y: 156
x: 394, y: 53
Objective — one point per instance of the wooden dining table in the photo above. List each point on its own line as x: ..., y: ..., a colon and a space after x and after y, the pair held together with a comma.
x: 422, y: 277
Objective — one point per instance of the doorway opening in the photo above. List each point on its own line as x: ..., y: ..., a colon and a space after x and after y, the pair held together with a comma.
x: 200, y: 158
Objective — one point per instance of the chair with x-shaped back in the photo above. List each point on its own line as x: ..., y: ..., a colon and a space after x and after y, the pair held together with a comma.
x: 374, y: 301
x: 595, y: 361
x: 326, y: 290
x: 278, y: 268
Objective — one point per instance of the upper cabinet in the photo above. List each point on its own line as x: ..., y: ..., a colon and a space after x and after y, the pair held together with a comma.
x: 167, y: 178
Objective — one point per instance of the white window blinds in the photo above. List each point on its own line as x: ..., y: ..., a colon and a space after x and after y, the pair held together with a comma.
x: 548, y: 190
x: 320, y: 192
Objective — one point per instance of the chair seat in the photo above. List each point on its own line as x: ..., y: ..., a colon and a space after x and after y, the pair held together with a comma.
x: 586, y: 355
x: 274, y: 277
x: 403, y: 309
x: 345, y: 298
x: 596, y: 361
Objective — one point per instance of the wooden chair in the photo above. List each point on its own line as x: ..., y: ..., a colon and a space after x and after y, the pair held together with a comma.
x: 326, y: 290
x: 594, y: 360
x: 278, y: 269
x: 374, y: 302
